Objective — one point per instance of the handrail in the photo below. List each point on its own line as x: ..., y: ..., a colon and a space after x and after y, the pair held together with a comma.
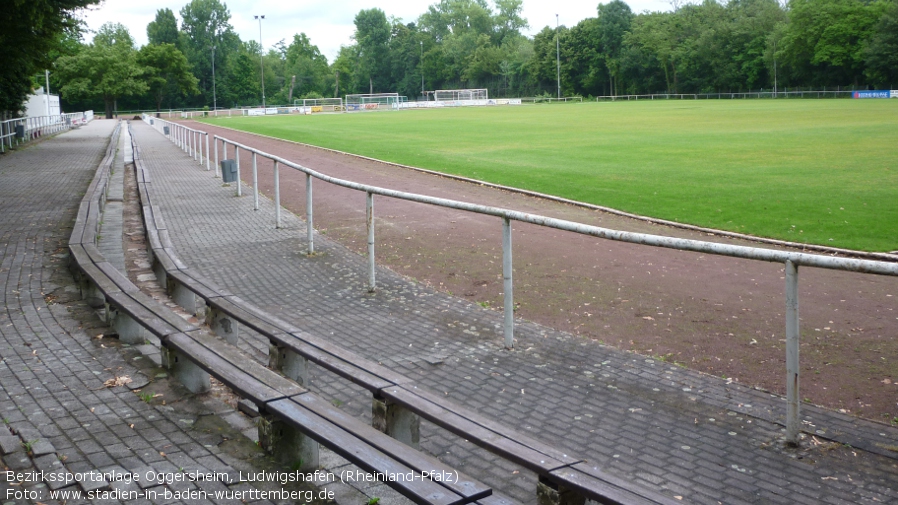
x: 37, y: 126
x: 790, y: 260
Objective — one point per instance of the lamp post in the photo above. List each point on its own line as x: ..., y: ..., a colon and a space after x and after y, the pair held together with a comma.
x: 261, y: 57
x: 774, y: 68
x: 557, y: 57
x: 422, y: 67
x: 214, y: 96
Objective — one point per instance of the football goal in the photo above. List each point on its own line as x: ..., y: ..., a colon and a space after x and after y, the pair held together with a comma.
x: 374, y: 101
x: 446, y: 95
x: 320, y: 104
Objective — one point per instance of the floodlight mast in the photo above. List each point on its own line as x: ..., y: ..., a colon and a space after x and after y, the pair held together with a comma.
x: 261, y: 57
x: 214, y: 96
x: 558, y: 56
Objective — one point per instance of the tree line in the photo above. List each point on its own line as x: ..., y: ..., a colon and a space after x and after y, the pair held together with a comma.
x: 713, y: 46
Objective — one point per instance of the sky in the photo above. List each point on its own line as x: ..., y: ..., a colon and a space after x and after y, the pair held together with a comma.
x: 328, y: 25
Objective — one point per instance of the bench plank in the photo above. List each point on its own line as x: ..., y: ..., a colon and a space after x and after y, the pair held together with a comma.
x: 284, y: 386
x: 186, y: 279
x: 465, y: 486
x: 607, y: 489
x: 231, y: 375
x: 116, y: 277
x: 468, y: 425
x: 348, y: 356
x: 227, y: 305
x: 371, y: 460
x: 332, y: 363
x: 496, y: 427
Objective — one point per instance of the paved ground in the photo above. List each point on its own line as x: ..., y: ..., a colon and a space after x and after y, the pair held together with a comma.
x: 57, y: 414
x: 698, y: 437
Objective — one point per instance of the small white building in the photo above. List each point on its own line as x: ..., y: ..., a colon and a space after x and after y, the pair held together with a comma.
x: 42, y: 104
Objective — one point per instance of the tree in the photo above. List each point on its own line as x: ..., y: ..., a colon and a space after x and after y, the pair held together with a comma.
x: 372, y: 35
x: 613, y: 23
x: 825, y: 40
x: 204, y: 24
x: 106, y: 69
x: 167, y: 72
x: 164, y: 29
x: 30, y: 32
x: 881, y: 51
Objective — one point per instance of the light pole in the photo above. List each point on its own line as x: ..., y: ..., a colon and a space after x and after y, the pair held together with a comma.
x: 558, y: 56
x: 422, y: 67
x: 774, y: 69
x: 261, y: 57
x: 214, y: 96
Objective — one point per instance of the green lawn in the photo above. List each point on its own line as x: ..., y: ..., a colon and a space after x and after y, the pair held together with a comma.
x: 816, y: 171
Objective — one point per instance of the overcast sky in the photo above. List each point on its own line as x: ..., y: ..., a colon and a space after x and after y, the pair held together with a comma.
x: 328, y: 24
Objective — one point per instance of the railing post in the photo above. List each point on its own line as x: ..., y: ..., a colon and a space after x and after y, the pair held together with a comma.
x: 793, y: 402
x: 207, y: 152
x: 369, y: 219
x: 237, y: 160
x: 309, y: 216
x: 255, y: 183
x: 508, y: 283
x: 277, y: 196
x: 224, y: 155
x: 215, y: 148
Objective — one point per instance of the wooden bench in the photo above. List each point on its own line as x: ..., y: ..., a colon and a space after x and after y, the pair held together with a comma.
x: 294, y: 420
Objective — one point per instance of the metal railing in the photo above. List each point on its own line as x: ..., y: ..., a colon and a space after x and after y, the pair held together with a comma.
x: 791, y: 260
x: 728, y: 96
x: 193, y: 142
x: 14, y: 132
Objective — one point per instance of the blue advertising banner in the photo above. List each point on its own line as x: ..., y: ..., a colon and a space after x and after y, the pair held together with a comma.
x: 872, y: 94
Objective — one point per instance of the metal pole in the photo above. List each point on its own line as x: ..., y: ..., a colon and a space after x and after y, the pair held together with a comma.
x: 422, y: 67
x: 277, y: 196
x: 793, y: 403
x: 369, y: 219
x: 214, y: 96
x: 309, y: 216
x: 558, y: 56
x: 237, y: 159
x: 207, y: 152
x: 261, y: 58
x: 224, y: 156
x: 215, y: 148
x: 508, y: 283
x: 255, y: 183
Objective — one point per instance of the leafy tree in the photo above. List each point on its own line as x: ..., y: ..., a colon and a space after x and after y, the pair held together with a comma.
x: 825, y: 39
x: 206, y: 24
x: 881, y: 51
x: 31, y: 33
x: 107, y: 69
x: 613, y: 23
x: 164, y: 29
x: 167, y: 72
x: 372, y: 35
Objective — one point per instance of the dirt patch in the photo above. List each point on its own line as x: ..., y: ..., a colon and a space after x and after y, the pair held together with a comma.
x: 722, y: 316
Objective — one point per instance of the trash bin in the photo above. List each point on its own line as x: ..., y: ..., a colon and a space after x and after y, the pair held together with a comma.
x: 20, y: 131
x: 228, y: 170
x: 165, y: 129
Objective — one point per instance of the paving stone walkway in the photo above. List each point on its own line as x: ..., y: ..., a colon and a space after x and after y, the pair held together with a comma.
x: 692, y: 436
x: 57, y: 414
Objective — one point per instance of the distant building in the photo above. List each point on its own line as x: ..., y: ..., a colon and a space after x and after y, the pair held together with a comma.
x: 42, y: 104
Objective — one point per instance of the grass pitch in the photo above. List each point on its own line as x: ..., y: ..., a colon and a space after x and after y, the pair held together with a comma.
x: 812, y: 171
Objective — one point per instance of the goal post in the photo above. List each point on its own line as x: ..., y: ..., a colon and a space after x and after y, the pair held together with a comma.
x: 320, y: 104
x: 374, y: 101
x: 452, y: 95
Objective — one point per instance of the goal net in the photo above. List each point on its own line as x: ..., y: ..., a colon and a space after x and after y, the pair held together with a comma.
x: 321, y: 104
x: 445, y: 95
x: 374, y: 101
